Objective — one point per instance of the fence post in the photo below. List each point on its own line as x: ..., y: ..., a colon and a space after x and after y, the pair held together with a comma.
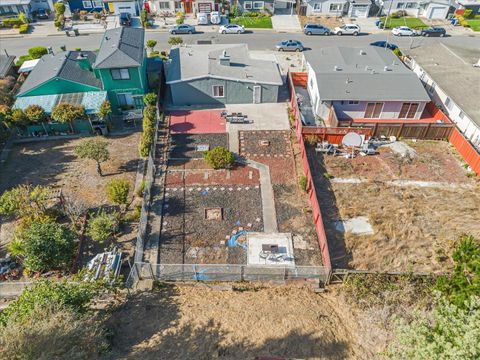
x: 242, y: 273
x: 151, y: 271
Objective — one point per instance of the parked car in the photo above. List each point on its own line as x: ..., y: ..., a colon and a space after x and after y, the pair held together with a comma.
x: 125, y: 19
x: 42, y: 14
x: 315, y: 29
x: 434, y: 31
x: 202, y: 19
x: 231, y: 29
x: 403, y: 31
x: 182, y: 29
x: 289, y: 45
x: 347, y: 29
x: 384, y: 44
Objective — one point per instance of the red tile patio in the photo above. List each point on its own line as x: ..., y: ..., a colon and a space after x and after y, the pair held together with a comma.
x: 197, y: 122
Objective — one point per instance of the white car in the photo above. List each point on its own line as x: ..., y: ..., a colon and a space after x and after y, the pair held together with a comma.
x: 347, y: 29
x: 403, y: 31
x: 231, y: 29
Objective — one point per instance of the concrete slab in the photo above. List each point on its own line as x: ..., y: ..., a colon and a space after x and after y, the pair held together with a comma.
x: 358, y: 225
x: 197, y: 122
x: 286, y: 23
x: 285, y: 249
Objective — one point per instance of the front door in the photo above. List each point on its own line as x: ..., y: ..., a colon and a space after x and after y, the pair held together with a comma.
x: 188, y: 7
x: 257, y: 94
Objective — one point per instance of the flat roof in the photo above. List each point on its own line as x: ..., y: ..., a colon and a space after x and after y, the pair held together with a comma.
x: 451, y: 67
x: 367, y: 73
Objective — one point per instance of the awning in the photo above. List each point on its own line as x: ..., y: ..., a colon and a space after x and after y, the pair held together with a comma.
x: 28, y: 66
x: 91, y: 101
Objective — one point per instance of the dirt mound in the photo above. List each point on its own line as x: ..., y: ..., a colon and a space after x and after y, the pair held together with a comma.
x: 198, y: 322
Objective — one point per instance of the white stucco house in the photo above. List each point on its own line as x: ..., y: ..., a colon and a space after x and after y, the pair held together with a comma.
x: 351, y: 8
x: 363, y: 84
x: 430, y: 9
x: 25, y: 6
x: 452, y: 82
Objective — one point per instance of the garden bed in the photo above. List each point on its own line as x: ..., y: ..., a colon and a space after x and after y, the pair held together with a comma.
x: 260, y: 22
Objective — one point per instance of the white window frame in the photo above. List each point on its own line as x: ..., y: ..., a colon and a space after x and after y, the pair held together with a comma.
x: 411, y: 5
x: 336, y: 7
x: 461, y: 115
x: 256, y: 7
x: 97, y: 4
x: 125, y: 97
x: 247, y: 5
x: 317, y: 6
x: 87, y: 4
x: 123, y: 74
x: 164, y: 5
x: 214, y: 87
x: 400, y: 5
x: 448, y: 103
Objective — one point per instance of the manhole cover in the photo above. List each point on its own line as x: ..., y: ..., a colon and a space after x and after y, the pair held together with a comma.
x: 214, y: 213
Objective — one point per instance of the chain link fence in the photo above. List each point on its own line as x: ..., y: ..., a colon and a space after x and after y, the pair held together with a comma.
x: 225, y: 272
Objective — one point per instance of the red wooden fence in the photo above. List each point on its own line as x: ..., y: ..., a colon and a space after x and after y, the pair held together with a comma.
x: 468, y: 152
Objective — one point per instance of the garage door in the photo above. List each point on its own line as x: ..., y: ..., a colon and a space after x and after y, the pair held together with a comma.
x: 205, y: 8
x: 437, y: 13
x: 125, y: 8
x: 359, y: 11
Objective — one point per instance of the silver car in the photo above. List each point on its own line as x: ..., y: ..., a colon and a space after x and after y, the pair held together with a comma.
x: 289, y: 45
x: 231, y: 29
x: 347, y: 29
x: 182, y: 29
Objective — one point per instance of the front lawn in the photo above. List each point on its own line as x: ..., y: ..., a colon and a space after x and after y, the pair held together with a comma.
x: 474, y: 24
x: 253, y: 22
x: 411, y: 22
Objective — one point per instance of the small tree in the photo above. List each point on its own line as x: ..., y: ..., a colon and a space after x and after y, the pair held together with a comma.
x: 6, y: 116
x: 150, y: 99
x: 35, y: 114
x: 219, y: 158
x: 59, y: 8
x: 175, y: 40
x: 47, y: 246
x: 18, y: 118
x: 38, y: 51
x: 24, y: 201
x: 151, y: 44
x: 117, y: 191
x: 67, y: 113
x: 105, y: 110
x: 95, y: 149
x: 101, y: 226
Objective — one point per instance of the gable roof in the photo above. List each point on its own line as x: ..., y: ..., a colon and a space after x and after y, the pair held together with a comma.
x: 199, y: 61
x: 64, y: 66
x: 121, y: 47
x: 451, y: 68
x: 366, y: 73
x: 6, y: 63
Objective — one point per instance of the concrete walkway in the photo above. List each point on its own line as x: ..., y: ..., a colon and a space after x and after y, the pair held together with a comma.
x: 405, y: 183
x: 268, y: 202
x: 288, y: 23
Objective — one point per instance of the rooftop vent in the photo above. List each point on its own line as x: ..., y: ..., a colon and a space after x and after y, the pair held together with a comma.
x: 225, y: 59
x: 367, y: 68
x: 363, y: 52
x: 337, y: 68
x: 386, y: 68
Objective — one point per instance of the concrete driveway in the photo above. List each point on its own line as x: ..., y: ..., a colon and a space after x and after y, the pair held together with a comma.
x: 286, y: 23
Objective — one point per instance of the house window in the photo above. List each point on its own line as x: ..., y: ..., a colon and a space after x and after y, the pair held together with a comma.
x: 431, y: 89
x: 373, y: 110
x: 97, y: 4
x: 461, y: 115
x: 258, y: 5
x: 311, y: 82
x: 353, y: 102
x: 125, y: 99
x: 164, y: 5
x: 87, y: 4
x: 400, y: 5
x: 336, y: 7
x: 247, y: 5
x: 448, y: 103
x: 411, y: 5
x: 120, y: 74
x: 422, y: 76
x: 408, y: 111
x: 317, y: 6
x: 218, y: 91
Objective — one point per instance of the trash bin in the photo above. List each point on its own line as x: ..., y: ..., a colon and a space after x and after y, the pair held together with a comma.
x: 454, y: 21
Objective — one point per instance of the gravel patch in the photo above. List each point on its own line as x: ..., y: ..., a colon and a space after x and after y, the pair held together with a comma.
x: 192, y: 145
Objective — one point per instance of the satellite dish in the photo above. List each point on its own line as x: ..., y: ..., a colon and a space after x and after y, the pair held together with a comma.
x: 352, y: 139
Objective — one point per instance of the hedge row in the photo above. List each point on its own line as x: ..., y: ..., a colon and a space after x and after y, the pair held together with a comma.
x: 149, y: 118
x: 12, y: 23
x: 23, y: 29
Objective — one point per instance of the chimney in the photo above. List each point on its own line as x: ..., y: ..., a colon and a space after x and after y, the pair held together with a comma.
x: 225, y: 59
x: 83, y: 62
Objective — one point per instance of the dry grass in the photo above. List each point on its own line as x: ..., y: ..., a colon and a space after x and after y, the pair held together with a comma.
x: 328, y: 21
x: 414, y: 227
x: 198, y: 322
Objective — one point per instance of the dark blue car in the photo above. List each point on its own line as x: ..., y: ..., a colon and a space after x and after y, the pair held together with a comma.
x: 434, y: 31
x: 384, y: 44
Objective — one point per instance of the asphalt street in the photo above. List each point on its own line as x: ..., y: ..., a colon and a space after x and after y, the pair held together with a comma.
x: 256, y: 40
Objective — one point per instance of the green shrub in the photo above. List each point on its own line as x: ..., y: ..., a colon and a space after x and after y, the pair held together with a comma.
x: 19, y: 118
x: 12, y: 22
x: 175, y: 40
x: 219, y: 158
x: 153, y: 54
x: 23, y: 29
x: 141, y: 189
x: 59, y: 8
x: 102, y: 226
x: 22, y: 59
x: 467, y: 14
x: 151, y: 44
x: 144, y: 146
x: 93, y: 149
x: 144, y: 18
x: 150, y: 99
x: 117, y: 191
x: 23, y: 18
x: 37, y: 52
x: 397, y: 52
x: 58, y: 23
x: 302, y: 181
x: 35, y: 114
x: 179, y: 21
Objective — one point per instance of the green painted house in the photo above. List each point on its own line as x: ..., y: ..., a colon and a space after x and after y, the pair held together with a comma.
x: 116, y: 73
x: 121, y: 67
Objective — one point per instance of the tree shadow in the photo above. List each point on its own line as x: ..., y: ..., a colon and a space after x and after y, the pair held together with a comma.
x: 150, y: 326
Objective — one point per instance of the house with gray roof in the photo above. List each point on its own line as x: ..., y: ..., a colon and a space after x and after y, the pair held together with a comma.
x: 6, y: 65
x: 220, y: 74
x: 363, y: 83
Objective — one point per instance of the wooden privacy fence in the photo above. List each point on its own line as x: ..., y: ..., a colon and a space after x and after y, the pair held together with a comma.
x: 466, y: 149
x: 421, y: 131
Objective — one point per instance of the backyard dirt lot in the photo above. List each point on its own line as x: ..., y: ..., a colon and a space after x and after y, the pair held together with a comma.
x: 245, y: 322
x: 414, y: 225
x: 328, y: 21
x: 53, y: 163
